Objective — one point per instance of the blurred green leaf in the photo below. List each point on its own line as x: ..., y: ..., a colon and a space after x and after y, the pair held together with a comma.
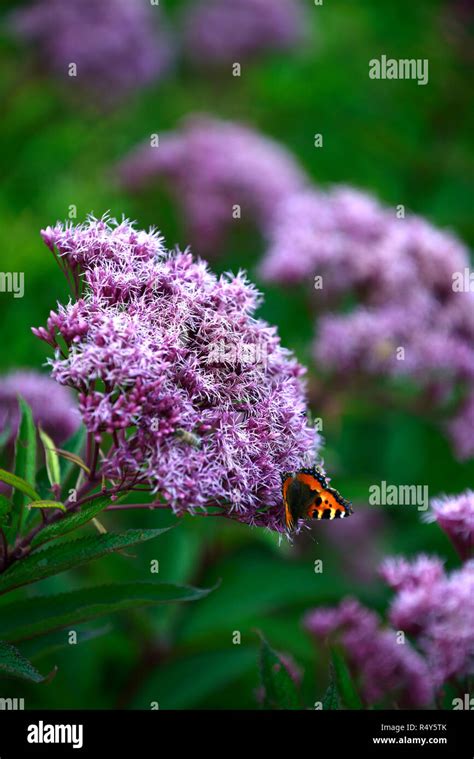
x: 345, y: 685
x: 187, y: 681
x: 69, y: 554
x: 44, y: 645
x: 331, y: 697
x: 51, y: 457
x: 42, y: 614
x: 278, y: 689
x: 14, y: 664
x: 25, y: 444
x: 263, y: 583
x: 25, y: 466
x: 5, y: 509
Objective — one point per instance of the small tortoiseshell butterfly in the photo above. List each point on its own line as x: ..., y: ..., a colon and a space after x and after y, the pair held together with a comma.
x: 308, y: 495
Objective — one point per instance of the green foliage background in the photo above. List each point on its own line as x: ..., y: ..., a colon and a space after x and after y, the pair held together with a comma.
x: 405, y: 143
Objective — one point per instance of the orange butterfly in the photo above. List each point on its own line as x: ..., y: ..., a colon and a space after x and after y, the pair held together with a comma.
x: 308, y: 495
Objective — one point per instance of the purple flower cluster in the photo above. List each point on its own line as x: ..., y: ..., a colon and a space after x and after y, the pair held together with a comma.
x: 223, y: 31
x: 438, y: 610
x: 53, y: 407
x: 212, y: 167
x: 117, y: 46
x: 410, y: 319
x: 199, y: 425
x: 385, y: 667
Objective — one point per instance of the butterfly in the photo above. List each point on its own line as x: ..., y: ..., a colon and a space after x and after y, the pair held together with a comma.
x: 308, y: 495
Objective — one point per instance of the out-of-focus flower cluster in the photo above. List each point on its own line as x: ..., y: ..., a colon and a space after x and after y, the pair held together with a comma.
x: 53, y: 406
x: 412, y: 319
x: 214, y: 167
x: 384, y: 666
x: 433, y: 608
x: 438, y: 610
x: 222, y: 31
x: 109, y: 49
x: 199, y: 425
x: 117, y: 46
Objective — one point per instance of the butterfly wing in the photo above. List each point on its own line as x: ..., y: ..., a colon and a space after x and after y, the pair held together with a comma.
x: 329, y: 504
x: 299, y: 492
x: 307, y: 494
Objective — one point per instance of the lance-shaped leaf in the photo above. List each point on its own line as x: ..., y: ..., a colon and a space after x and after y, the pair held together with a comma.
x: 30, y: 617
x: 19, y: 484
x: 14, y: 664
x: 72, y: 521
x: 331, y: 697
x: 25, y: 463
x: 47, y: 505
x: 345, y: 685
x: 51, y: 458
x: 279, y: 690
x: 5, y: 509
x: 52, y: 560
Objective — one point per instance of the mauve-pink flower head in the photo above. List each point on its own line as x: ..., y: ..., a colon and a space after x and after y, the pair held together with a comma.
x: 204, y: 404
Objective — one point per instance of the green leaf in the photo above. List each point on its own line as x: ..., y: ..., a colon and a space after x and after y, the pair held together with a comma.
x: 25, y: 462
x: 58, y: 558
x: 5, y: 509
x: 278, y: 687
x: 42, y: 614
x: 345, y: 685
x: 19, y: 484
x: 71, y: 522
x: 331, y: 697
x: 51, y: 457
x: 47, y: 505
x: 12, y: 663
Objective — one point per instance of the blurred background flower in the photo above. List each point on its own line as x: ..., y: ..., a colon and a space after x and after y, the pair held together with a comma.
x: 218, y: 172
x: 106, y: 50
x: 223, y: 31
x: 54, y: 407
